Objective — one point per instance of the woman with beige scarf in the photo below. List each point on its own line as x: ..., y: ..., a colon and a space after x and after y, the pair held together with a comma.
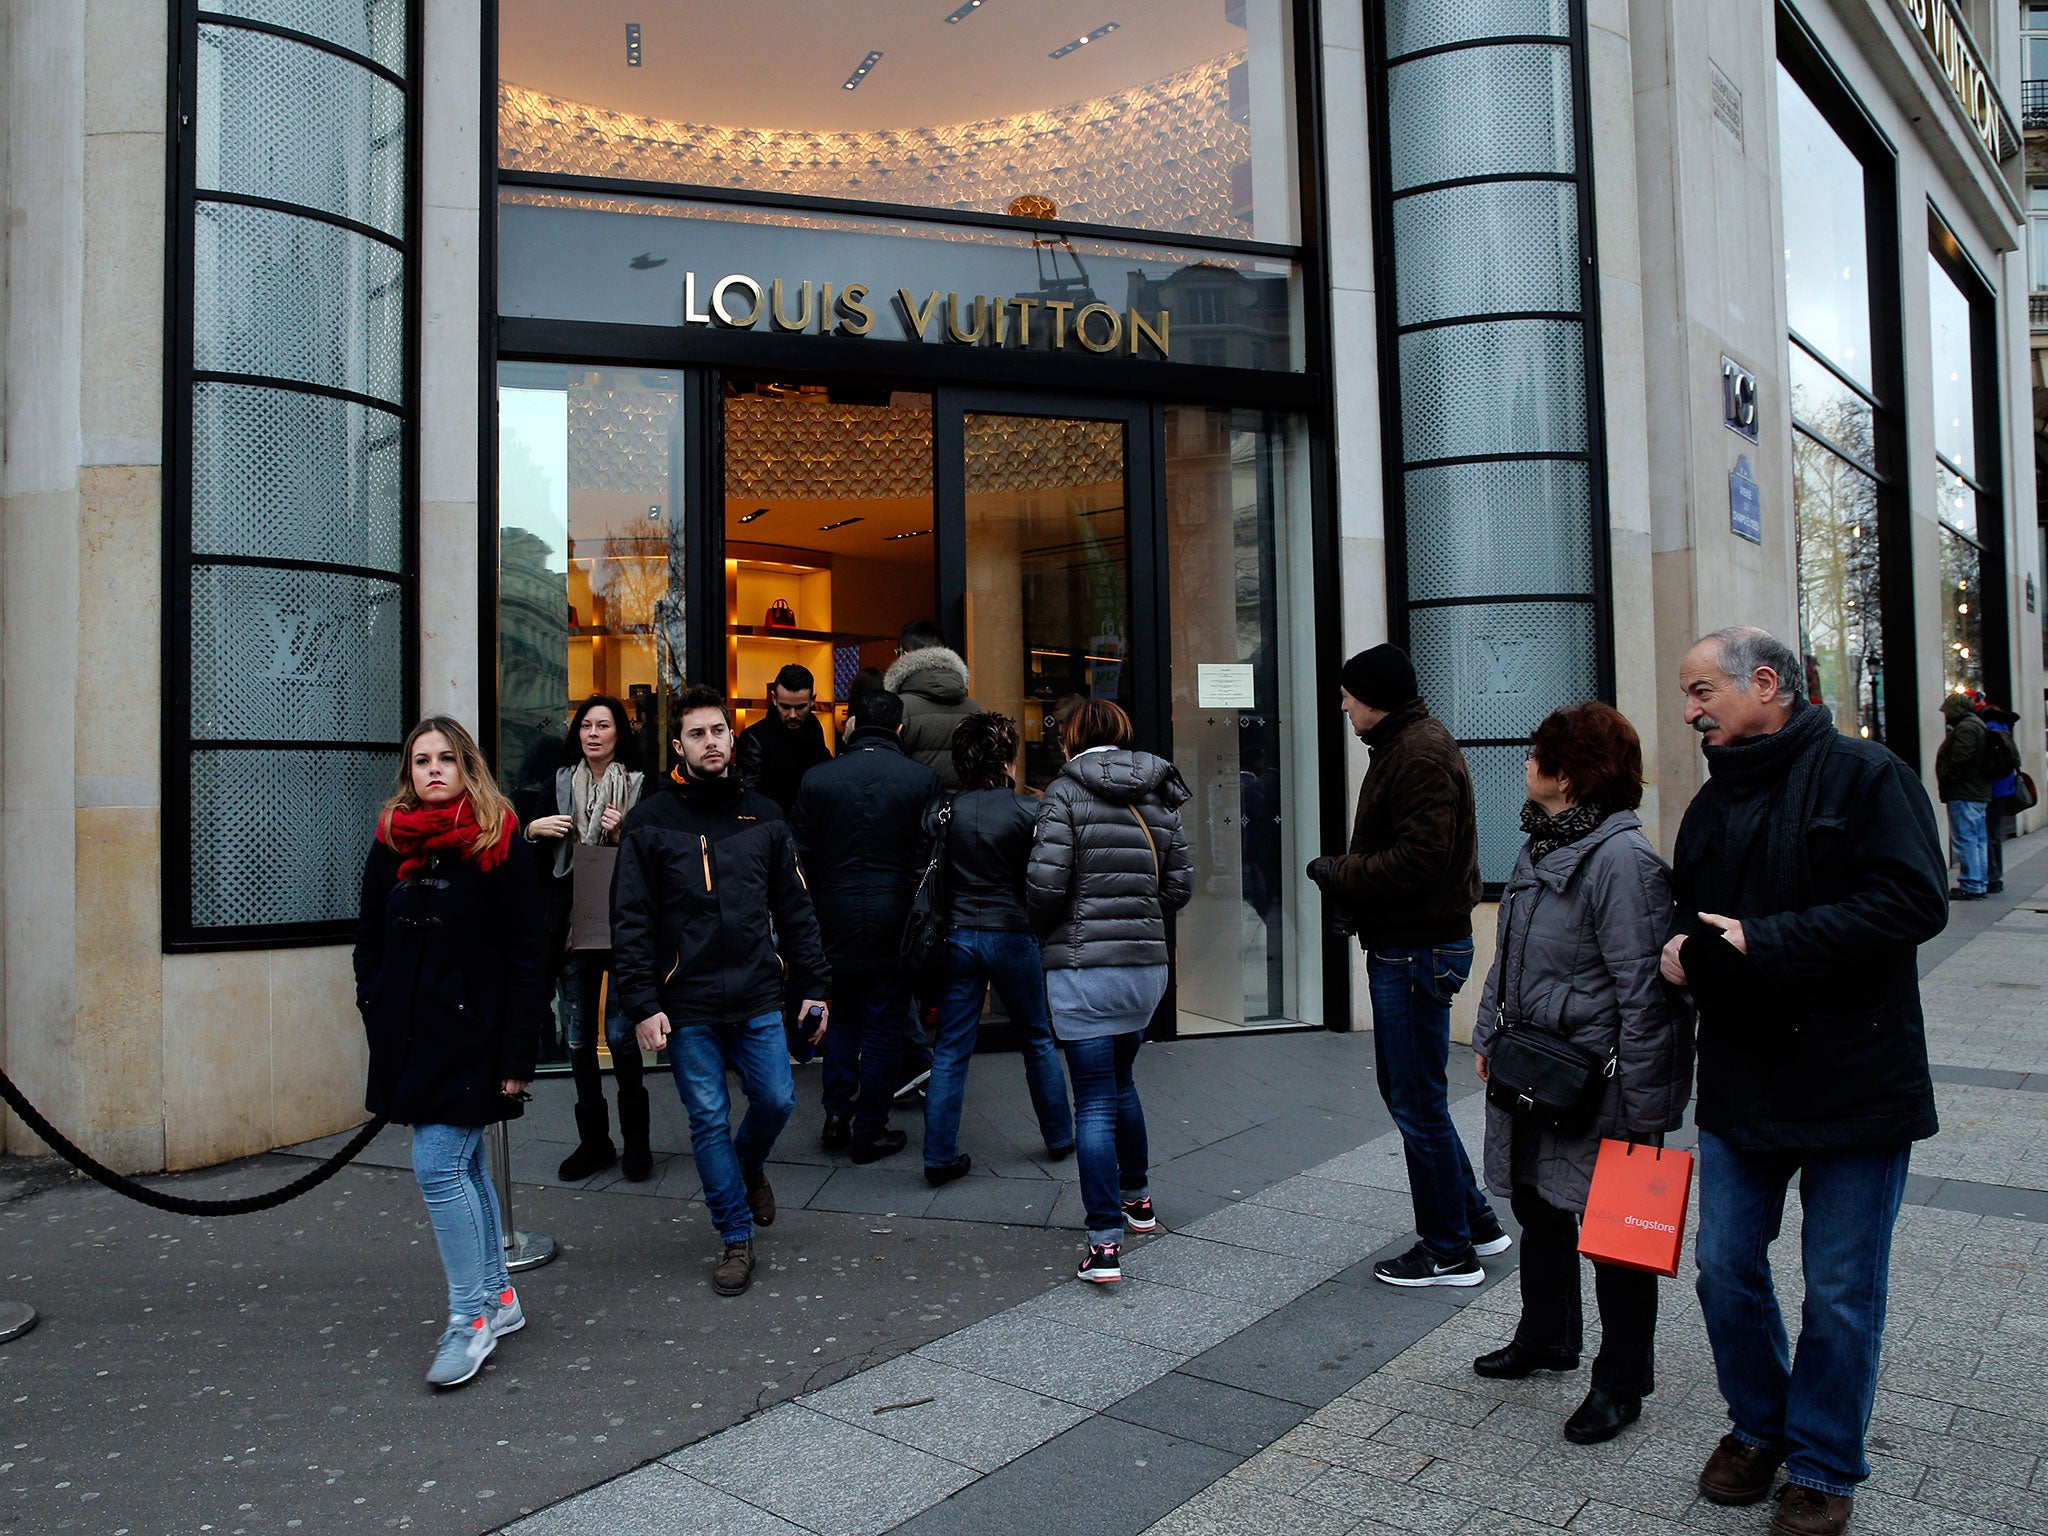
x: 593, y: 791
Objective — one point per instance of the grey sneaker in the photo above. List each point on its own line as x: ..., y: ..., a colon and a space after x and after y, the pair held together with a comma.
x: 461, y: 1353
x: 505, y: 1313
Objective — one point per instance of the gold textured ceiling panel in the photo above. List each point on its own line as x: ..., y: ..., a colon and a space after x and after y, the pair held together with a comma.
x: 1158, y: 155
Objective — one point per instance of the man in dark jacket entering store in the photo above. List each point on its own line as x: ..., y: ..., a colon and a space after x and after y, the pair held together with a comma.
x: 707, y: 885
x: 932, y: 682
x: 778, y: 750
x: 1963, y: 771
x: 1807, y: 872
x: 1407, y: 888
x: 858, y: 820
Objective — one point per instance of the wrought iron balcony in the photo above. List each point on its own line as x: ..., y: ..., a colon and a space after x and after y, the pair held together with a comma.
x: 2033, y: 105
x: 2037, y: 312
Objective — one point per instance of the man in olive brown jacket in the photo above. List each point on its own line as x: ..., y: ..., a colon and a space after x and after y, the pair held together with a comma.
x: 1407, y: 888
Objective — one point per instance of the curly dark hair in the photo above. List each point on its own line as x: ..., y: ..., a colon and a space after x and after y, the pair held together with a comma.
x: 1593, y: 749
x: 984, y: 746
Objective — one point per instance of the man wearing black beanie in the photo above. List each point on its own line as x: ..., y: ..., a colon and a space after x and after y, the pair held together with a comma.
x: 1407, y: 888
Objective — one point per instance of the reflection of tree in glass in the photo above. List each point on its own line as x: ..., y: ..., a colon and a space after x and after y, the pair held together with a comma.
x: 1840, y: 605
x: 1962, y: 621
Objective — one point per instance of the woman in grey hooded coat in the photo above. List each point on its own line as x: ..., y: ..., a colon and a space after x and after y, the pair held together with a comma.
x: 1582, y: 923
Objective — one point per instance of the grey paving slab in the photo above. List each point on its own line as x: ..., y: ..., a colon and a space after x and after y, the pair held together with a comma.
x: 1150, y: 1312
x: 875, y: 1190
x: 1315, y: 1347
x: 1223, y: 1269
x: 1076, y: 1365
x: 1395, y: 1503
x: 1028, y: 1202
x: 820, y: 1472
x: 1232, y: 1507
x: 1387, y: 1211
x: 1195, y: 1408
x: 1101, y: 1478
x: 1983, y: 1199
x: 1272, y: 1230
x: 970, y: 1419
x: 655, y: 1501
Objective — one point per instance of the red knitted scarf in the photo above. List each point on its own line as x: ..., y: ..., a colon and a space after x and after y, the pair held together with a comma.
x: 450, y: 827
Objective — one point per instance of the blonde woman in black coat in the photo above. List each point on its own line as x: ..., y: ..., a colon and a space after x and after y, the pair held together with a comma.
x: 451, y: 981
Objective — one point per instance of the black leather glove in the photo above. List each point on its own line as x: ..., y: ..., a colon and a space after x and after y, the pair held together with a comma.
x: 1319, y: 869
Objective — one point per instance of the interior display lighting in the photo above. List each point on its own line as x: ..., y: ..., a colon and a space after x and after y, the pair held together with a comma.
x: 754, y: 516
x: 844, y: 522
x: 632, y: 45
x: 915, y: 533
x: 860, y: 71
x: 965, y: 11
x: 1082, y: 42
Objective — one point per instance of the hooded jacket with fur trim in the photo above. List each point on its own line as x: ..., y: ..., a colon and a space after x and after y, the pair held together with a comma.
x: 933, y: 686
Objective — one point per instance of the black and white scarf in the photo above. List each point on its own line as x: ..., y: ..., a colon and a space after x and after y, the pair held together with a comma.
x: 1548, y: 833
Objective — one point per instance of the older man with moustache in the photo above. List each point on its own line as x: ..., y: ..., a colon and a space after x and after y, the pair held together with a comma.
x: 1807, y: 872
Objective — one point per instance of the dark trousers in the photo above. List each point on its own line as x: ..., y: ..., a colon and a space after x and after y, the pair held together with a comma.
x: 1551, y: 1317
x: 585, y: 975
x: 864, y: 1048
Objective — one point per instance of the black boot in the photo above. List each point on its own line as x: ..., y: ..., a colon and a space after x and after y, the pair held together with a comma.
x: 638, y: 1161
x: 594, y: 1150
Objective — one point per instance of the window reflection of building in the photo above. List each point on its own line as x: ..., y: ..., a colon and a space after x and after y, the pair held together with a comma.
x: 1965, y: 500
x: 1221, y: 316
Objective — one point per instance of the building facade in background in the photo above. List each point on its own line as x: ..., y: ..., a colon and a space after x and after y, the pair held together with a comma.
x: 369, y: 357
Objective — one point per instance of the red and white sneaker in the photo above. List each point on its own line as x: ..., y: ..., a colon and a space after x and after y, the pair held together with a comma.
x: 1139, y: 1215
x: 1103, y: 1265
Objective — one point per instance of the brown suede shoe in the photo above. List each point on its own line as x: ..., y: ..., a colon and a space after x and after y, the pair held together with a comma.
x: 735, y: 1270
x: 1804, y: 1511
x: 1738, y: 1472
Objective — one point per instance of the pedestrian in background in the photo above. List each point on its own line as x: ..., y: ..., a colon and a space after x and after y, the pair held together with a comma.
x: 1109, y: 860
x: 594, y: 788
x: 1807, y: 872
x: 1963, y: 771
x: 858, y: 820
x: 1583, y: 920
x: 452, y: 985
x: 987, y: 852
x: 2006, y: 801
x: 931, y: 679
x: 777, y: 750
x: 1406, y: 888
x: 708, y: 885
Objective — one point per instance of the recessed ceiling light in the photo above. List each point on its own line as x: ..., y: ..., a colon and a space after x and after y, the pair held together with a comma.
x: 1081, y: 42
x: 632, y: 45
x: 915, y: 533
x: 754, y: 516
x: 842, y: 523
x: 965, y: 11
x: 860, y: 71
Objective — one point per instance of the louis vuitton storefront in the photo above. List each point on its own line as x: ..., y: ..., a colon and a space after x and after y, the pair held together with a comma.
x: 796, y: 345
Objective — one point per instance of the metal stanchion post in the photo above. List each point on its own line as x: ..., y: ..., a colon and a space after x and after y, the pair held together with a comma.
x: 16, y: 1318
x: 523, y: 1250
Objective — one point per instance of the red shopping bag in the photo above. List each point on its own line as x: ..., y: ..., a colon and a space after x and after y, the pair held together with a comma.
x: 1635, y: 1214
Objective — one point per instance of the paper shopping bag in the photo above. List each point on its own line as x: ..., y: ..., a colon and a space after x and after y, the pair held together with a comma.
x: 1635, y: 1214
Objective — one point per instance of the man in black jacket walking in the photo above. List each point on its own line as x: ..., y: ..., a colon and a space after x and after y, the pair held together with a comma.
x: 1806, y: 873
x: 707, y: 883
x: 858, y: 820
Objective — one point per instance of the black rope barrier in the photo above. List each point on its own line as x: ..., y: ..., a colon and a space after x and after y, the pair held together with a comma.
x: 179, y: 1205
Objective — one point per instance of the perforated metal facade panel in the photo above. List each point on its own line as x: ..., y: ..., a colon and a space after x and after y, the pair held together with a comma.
x: 289, y: 641
x: 1498, y: 491
x: 1486, y: 111
x: 284, y: 120
x: 296, y: 477
x: 1413, y: 25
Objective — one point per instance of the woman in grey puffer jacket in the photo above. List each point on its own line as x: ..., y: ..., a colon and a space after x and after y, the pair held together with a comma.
x: 1108, y: 861
x: 1583, y: 920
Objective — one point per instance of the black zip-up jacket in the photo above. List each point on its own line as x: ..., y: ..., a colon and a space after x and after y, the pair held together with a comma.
x: 774, y: 759
x: 858, y: 820
x: 703, y: 869
x: 1814, y: 1039
x: 988, y: 848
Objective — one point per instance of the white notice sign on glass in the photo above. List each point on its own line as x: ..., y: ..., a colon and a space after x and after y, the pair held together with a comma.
x: 1224, y: 685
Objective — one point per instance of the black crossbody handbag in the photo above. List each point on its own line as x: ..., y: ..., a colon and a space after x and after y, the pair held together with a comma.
x: 923, y: 947
x: 1544, y: 1078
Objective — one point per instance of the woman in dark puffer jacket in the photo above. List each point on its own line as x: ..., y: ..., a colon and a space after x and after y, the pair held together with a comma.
x: 1108, y: 861
x: 1582, y: 923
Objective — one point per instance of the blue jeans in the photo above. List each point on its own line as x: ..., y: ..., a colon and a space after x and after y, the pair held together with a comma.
x: 975, y: 958
x: 1967, y: 823
x: 699, y: 1055
x: 864, y: 1047
x: 1109, y: 1124
x: 448, y: 1162
x: 1411, y: 1047
x: 1815, y: 1405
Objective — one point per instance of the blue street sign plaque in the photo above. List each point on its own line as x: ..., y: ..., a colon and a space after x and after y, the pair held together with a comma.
x: 1745, y: 503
